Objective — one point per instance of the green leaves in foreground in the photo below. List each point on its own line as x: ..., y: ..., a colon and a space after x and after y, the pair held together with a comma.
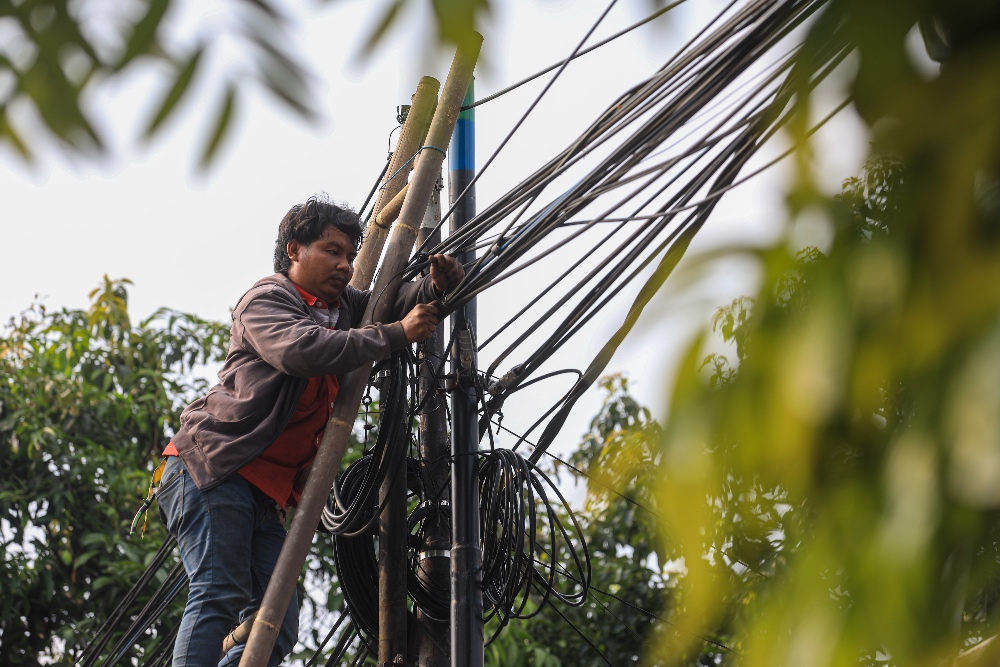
x: 866, y: 399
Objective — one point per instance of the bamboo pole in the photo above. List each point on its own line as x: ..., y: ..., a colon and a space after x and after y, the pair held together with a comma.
x: 411, y: 138
x: 352, y: 385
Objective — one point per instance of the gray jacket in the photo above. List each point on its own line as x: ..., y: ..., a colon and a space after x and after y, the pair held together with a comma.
x: 275, y: 345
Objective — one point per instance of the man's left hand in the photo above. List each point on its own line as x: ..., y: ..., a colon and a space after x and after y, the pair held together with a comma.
x: 446, y: 272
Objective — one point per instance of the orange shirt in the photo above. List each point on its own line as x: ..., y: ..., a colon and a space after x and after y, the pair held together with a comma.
x: 274, y: 472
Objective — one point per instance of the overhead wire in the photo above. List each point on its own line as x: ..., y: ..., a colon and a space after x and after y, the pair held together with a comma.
x: 514, y: 86
x: 692, y: 81
x: 460, y: 197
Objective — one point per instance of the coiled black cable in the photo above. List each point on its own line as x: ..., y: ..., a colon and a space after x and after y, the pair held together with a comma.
x: 351, y: 516
x: 531, y: 540
x: 355, y: 554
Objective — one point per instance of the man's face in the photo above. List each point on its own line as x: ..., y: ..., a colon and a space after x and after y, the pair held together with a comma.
x: 324, y: 267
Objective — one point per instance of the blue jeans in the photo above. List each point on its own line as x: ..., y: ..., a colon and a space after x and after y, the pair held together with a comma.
x: 229, y: 539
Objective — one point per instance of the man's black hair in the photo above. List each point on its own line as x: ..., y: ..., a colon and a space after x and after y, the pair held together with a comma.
x: 306, y: 222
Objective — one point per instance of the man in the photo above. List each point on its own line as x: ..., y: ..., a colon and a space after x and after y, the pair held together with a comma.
x: 243, y: 450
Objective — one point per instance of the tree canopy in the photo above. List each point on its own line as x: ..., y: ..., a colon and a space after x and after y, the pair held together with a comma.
x: 87, y: 401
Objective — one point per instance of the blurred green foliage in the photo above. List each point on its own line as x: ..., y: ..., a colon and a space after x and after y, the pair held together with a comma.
x: 56, y: 58
x: 456, y: 21
x: 851, y: 454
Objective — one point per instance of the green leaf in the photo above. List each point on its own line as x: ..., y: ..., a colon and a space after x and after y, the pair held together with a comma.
x: 144, y: 33
x: 9, y: 134
x: 175, y: 94
x: 376, y: 36
x: 220, y: 128
x: 287, y: 85
x: 85, y: 557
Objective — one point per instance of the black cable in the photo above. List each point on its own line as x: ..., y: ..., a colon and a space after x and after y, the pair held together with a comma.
x: 512, y: 492
x: 388, y: 160
x: 353, y: 517
x: 631, y: 501
x: 344, y: 616
x: 655, y: 15
x: 461, y: 196
x: 103, y: 635
x: 172, y: 585
x: 164, y: 651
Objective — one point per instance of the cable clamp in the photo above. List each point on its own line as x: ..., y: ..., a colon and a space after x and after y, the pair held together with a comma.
x: 435, y: 553
x: 466, y: 351
x: 501, y: 385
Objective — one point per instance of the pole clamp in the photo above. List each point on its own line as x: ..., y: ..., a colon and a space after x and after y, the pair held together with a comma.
x: 466, y: 358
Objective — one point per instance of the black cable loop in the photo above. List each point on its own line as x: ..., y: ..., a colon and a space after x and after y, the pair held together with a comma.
x: 346, y: 517
x: 512, y: 492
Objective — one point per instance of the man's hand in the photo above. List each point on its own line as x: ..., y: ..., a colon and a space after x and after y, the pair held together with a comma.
x: 420, y: 323
x: 446, y: 272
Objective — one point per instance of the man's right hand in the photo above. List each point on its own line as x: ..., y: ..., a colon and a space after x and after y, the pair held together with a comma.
x: 420, y: 323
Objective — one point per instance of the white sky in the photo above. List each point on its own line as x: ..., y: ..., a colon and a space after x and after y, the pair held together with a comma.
x: 195, y: 243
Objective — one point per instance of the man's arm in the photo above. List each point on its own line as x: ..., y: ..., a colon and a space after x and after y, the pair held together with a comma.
x: 274, y: 326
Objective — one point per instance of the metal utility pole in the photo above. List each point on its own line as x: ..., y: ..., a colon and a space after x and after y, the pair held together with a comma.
x: 352, y: 385
x: 392, y: 563
x: 466, y: 550
x: 433, y: 560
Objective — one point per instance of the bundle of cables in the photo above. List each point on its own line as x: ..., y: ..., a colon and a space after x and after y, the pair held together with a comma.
x: 356, y: 555
x: 635, y: 188
x: 533, y: 546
